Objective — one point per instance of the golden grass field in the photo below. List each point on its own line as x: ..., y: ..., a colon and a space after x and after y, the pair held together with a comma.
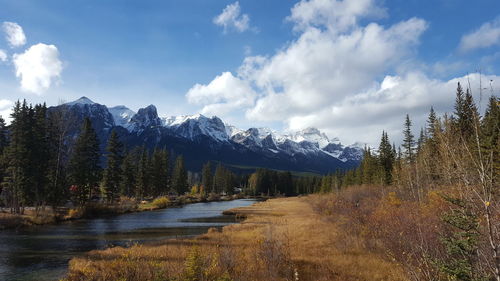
x: 280, y: 239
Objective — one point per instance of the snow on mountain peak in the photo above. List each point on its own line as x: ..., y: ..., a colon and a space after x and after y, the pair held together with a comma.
x: 312, y: 135
x: 81, y: 101
x: 122, y: 115
x: 191, y: 126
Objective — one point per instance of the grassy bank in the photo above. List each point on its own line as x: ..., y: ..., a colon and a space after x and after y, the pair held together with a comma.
x: 281, y: 239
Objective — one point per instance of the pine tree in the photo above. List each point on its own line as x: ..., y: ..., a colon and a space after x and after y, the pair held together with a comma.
x: 408, y: 141
x: 179, y: 178
x: 431, y: 124
x: 143, y: 175
x: 466, y: 113
x: 40, y: 155
x: 490, y: 136
x: 129, y: 172
x: 3, y: 146
x: 84, y: 166
x: 207, y: 177
x: 386, y: 158
x: 113, y: 172
x: 3, y: 135
x: 159, y: 172
x: 219, y: 179
x: 17, y: 180
x: 421, y: 140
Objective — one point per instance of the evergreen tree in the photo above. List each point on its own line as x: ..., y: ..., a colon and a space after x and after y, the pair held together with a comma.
x: 129, y: 173
x: 159, y: 172
x: 421, y: 140
x: 179, y: 178
x: 40, y: 155
x: 3, y: 146
x: 18, y: 180
x: 386, y: 158
x: 408, y: 140
x: 84, y: 166
x: 490, y: 136
x: 207, y: 177
x: 431, y: 124
x: 3, y: 135
x: 113, y: 171
x: 143, y: 175
x: 466, y: 113
x: 219, y: 179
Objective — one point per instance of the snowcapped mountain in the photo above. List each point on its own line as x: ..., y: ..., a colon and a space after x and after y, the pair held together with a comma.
x: 121, y: 115
x: 202, y: 138
x: 194, y: 126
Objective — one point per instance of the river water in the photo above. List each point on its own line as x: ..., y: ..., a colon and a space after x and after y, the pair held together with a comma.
x: 42, y: 253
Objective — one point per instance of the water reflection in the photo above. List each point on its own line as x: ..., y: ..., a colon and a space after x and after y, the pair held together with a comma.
x: 42, y: 253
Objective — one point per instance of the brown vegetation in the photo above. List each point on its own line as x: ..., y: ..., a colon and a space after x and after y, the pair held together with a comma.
x: 281, y: 239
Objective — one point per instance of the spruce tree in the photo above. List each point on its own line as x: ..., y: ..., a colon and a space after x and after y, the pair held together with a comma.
x: 3, y: 135
x: 431, y: 124
x: 408, y: 140
x: 84, y: 165
x: 179, y: 177
x: 219, y: 179
x: 490, y: 136
x: 159, y: 172
x: 386, y: 158
x: 129, y: 173
x: 143, y: 175
x: 113, y: 171
x: 466, y: 114
x: 207, y: 177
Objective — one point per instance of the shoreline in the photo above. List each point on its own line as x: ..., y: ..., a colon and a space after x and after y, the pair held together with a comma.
x: 94, y: 211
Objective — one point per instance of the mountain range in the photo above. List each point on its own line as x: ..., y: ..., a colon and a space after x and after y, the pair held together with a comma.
x: 200, y: 139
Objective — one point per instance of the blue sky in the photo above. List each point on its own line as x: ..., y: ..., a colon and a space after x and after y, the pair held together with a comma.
x: 155, y: 52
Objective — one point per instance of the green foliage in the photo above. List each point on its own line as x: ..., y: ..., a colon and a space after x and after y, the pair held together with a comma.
x: 461, y: 242
x: 113, y: 171
x: 207, y: 178
x: 84, y: 164
x: 179, y: 177
x: 408, y: 140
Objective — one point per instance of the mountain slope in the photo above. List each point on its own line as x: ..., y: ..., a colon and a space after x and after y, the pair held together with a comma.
x: 201, y: 139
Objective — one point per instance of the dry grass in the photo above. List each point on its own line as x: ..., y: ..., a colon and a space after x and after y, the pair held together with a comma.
x: 281, y: 239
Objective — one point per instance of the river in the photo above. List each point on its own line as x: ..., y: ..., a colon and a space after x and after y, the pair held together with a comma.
x: 42, y: 252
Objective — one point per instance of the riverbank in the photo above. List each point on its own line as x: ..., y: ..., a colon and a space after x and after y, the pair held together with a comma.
x: 95, y: 210
x: 280, y: 239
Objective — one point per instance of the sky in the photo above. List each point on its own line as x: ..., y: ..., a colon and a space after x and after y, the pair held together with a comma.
x: 351, y: 68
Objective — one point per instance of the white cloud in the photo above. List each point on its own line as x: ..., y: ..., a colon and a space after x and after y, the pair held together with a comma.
x: 38, y: 67
x: 347, y: 79
x: 232, y: 19
x: 223, y: 95
x: 5, y: 109
x: 335, y: 15
x: 486, y: 36
x: 14, y: 34
x: 3, y: 55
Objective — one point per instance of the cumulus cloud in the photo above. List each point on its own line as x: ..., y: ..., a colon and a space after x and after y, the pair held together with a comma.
x: 223, y: 95
x: 338, y: 75
x: 485, y: 36
x: 232, y: 19
x: 3, y: 55
x: 335, y: 15
x: 14, y: 34
x: 38, y: 67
